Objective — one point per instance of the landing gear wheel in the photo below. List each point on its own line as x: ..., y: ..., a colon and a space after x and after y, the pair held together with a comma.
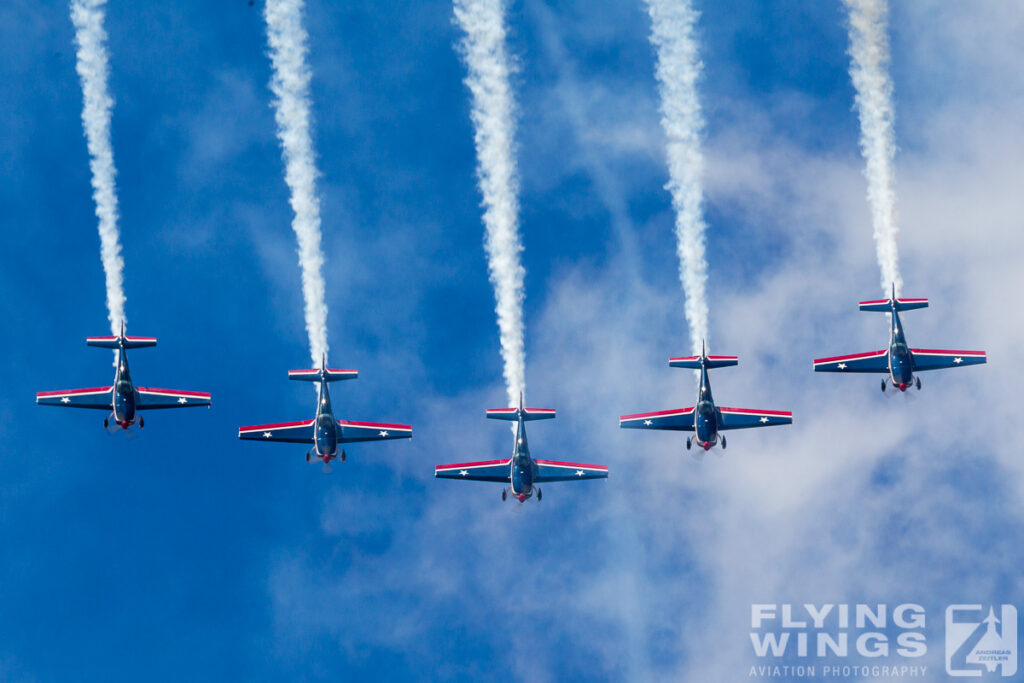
x: 343, y: 456
x: 688, y: 443
x: 308, y: 456
x: 723, y: 443
x: 504, y: 494
x: 883, y: 386
x: 538, y: 495
x: 142, y: 423
x: 106, y: 423
x: 917, y: 383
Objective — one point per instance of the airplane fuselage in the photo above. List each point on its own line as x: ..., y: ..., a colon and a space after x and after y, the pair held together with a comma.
x: 705, y: 414
x: 125, y: 398
x: 901, y: 364
x: 325, y: 435
x: 522, y: 465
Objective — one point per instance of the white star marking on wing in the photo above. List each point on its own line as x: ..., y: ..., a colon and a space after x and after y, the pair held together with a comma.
x: 65, y: 399
x: 958, y: 360
x: 383, y: 433
x: 579, y: 473
x: 764, y: 420
x: 841, y: 366
x: 463, y: 472
x: 182, y: 400
x: 267, y: 435
x: 647, y: 423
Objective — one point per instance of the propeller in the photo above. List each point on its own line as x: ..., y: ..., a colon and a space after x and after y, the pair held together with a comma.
x: 327, y: 468
x: 110, y: 424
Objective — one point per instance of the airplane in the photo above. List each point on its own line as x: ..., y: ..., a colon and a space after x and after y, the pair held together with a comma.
x: 324, y: 431
x: 705, y: 419
x: 123, y: 399
x: 899, y: 361
x: 521, y: 471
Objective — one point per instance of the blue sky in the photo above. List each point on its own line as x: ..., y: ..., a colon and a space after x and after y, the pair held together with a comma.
x: 185, y: 553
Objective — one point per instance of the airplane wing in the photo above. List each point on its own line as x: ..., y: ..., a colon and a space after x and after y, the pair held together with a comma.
x: 351, y: 432
x: 553, y: 470
x: 742, y: 418
x: 486, y: 470
x: 679, y: 420
x: 872, y: 361
x: 101, y: 398
x: 292, y: 432
x: 150, y: 398
x: 935, y: 359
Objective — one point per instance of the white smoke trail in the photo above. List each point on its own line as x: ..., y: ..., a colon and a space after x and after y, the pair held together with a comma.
x: 869, y: 70
x: 673, y: 27
x: 290, y: 85
x: 483, y: 48
x: 91, y: 64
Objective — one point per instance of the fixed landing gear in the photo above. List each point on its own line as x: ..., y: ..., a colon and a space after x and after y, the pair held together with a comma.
x: 343, y: 456
x: 723, y: 443
x: 538, y: 495
x: 142, y: 423
x: 883, y: 385
x: 688, y: 443
x: 504, y: 494
x: 917, y: 383
x: 308, y: 456
x: 106, y: 423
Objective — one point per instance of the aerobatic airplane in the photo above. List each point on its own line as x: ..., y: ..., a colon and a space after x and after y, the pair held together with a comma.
x: 705, y: 419
x: 123, y: 399
x: 521, y: 471
x: 898, y: 361
x: 324, y: 431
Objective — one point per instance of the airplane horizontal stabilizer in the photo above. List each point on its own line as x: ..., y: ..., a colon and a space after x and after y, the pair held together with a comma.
x: 885, y: 305
x: 118, y: 342
x: 694, y: 362
x: 512, y: 414
x: 330, y: 375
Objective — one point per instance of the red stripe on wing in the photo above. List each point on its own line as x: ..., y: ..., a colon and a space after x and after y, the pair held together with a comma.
x: 467, y: 465
x: 574, y: 465
x: 374, y: 425
x: 660, y: 413
x: 71, y: 392
x: 279, y: 425
x: 745, y: 411
x: 939, y: 352
x: 852, y: 356
x: 176, y: 392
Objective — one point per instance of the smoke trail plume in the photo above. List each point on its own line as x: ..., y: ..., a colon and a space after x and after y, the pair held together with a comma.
x: 678, y: 66
x: 290, y: 85
x: 483, y: 49
x: 91, y: 64
x: 869, y: 70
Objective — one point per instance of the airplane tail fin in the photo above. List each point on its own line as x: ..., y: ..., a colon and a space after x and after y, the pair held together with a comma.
x: 121, y: 342
x: 694, y: 362
x: 329, y: 374
x: 529, y: 414
x: 886, y: 305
